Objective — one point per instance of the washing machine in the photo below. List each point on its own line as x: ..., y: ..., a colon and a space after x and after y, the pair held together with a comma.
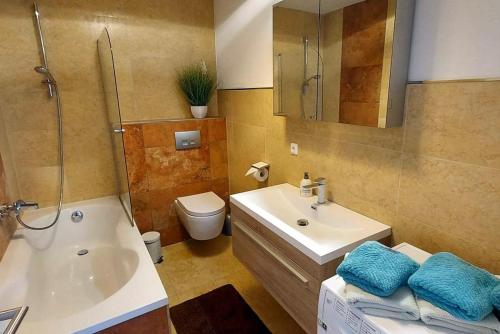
x: 335, y: 316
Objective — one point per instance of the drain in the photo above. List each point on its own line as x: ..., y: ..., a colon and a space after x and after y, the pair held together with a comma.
x: 82, y: 252
x: 77, y: 216
x: 302, y: 222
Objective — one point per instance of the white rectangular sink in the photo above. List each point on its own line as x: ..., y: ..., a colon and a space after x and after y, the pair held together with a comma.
x: 332, y: 230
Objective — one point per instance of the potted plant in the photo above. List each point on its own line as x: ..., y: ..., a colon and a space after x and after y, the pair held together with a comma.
x: 198, y: 85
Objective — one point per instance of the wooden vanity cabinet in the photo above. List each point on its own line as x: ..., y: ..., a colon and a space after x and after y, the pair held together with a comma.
x: 291, y: 277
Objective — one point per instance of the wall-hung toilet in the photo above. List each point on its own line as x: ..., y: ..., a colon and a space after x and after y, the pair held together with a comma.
x: 202, y: 215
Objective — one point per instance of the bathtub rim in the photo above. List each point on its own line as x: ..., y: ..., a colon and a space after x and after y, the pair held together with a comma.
x: 91, y: 320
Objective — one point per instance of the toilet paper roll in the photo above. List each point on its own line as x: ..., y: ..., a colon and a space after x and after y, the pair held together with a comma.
x: 251, y: 171
x: 261, y: 174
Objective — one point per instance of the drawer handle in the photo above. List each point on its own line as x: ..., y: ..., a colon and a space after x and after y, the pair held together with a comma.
x: 275, y: 255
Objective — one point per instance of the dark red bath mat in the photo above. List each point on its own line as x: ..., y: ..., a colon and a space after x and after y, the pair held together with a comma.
x: 221, y: 311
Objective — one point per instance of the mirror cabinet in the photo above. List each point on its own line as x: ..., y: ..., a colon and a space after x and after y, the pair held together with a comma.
x: 342, y: 61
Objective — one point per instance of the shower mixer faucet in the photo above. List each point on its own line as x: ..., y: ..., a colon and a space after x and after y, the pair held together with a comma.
x: 320, y: 184
x: 16, y: 207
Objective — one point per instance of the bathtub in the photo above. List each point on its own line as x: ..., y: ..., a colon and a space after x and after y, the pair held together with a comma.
x: 70, y: 293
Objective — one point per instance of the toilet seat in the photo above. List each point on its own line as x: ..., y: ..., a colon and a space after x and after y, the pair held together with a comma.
x: 202, y: 205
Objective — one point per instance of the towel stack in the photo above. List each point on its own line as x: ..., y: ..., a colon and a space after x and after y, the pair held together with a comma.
x: 445, y: 291
x: 373, y: 271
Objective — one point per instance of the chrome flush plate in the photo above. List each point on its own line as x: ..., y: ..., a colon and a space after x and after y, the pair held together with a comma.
x: 185, y: 140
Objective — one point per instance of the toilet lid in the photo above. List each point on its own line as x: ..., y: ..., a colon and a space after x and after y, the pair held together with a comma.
x: 202, y: 205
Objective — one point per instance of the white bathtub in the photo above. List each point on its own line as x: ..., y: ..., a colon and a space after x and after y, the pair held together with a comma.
x: 68, y: 293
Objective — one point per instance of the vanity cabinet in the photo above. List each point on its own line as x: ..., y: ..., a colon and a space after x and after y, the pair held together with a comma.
x: 289, y: 276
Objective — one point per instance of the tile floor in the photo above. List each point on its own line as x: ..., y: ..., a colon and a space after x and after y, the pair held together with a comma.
x: 192, y: 268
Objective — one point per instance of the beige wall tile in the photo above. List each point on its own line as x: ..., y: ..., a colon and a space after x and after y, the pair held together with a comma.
x: 441, y: 195
x: 7, y: 225
x: 247, y: 147
x: 455, y: 121
x: 433, y: 239
x: 459, y: 198
x: 249, y: 107
x: 151, y: 41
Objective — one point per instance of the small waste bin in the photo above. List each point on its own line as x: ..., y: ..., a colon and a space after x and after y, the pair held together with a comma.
x: 152, y: 241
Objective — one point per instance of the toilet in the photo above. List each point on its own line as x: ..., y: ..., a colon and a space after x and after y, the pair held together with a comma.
x: 202, y: 215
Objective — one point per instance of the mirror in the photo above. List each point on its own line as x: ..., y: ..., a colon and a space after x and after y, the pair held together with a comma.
x: 342, y: 60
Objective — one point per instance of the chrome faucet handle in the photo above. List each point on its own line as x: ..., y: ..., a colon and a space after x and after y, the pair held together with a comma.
x: 20, y: 204
x: 320, y: 181
x: 16, y: 207
x: 313, y: 185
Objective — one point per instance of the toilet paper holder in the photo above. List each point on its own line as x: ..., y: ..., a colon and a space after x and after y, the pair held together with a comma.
x: 259, y: 171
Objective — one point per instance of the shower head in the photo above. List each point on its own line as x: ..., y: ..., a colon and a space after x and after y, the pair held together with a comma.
x: 45, y: 71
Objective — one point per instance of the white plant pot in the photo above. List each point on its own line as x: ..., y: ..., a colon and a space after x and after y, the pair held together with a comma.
x: 199, y: 111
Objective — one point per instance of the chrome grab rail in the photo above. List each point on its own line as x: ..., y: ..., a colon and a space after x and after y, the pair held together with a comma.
x: 16, y: 315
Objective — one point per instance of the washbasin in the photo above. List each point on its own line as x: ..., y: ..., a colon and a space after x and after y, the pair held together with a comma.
x: 322, y: 232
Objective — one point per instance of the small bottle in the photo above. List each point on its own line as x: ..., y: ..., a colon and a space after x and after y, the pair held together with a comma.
x: 305, y: 192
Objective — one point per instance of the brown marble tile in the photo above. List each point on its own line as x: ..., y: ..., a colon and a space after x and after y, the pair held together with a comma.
x: 158, y: 135
x: 363, y: 44
x: 144, y: 220
x: 137, y: 173
x: 221, y: 188
x: 363, y: 33
x: 164, y: 217
x: 163, y: 134
x: 216, y: 129
x: 173, y: 234
x: 141, y: 211
x: 167, y: 169
x: 201, y: 125
x: 159, y: 199
x: 171, y: 173
x: 192, y: 188
x: 359, y: 113
x: 133, y: 137
x: 361, y: 84
x: 140, y: 200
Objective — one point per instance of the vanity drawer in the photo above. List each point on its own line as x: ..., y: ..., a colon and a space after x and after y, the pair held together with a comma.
x: 288, y: 283
x: 319, y: 272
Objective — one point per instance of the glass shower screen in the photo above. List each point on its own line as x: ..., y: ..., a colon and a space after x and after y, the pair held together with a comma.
x: 116, y: 131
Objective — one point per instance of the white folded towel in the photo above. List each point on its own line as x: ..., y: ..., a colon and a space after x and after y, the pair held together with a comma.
x: 432, y: 315
x: 400, y: 305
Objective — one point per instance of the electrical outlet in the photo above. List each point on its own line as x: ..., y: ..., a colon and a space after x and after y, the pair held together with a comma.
x: 294, y: 149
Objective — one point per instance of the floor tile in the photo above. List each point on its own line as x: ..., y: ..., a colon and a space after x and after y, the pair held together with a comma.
x: 192, y: 268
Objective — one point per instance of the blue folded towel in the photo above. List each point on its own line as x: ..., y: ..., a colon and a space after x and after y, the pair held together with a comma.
x: 495, y: 297
x: 377, y: 269
x: 454, y: 285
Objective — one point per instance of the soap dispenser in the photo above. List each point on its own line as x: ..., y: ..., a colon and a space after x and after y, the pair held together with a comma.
x: 305, y: 192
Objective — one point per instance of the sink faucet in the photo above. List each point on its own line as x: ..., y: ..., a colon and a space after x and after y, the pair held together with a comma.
x: 320, y: 184
x: 17, y: 206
